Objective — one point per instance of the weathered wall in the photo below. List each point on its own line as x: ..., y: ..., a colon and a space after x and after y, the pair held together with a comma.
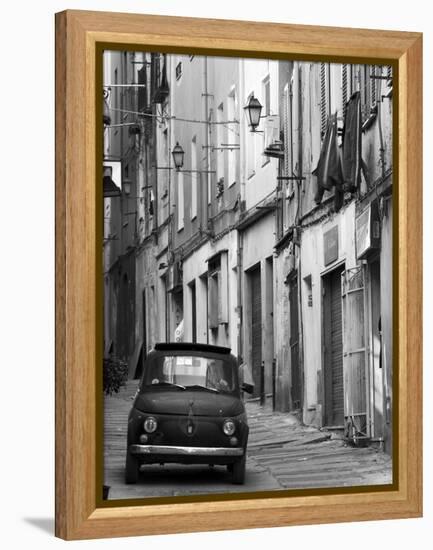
x: 195, y: 269
x: 258, y: 242
x: 312, y: 265
x: 259, y: 171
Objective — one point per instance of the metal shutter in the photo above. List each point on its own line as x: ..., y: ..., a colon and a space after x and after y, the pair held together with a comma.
x: 354, y: 353
x: 336, y: 350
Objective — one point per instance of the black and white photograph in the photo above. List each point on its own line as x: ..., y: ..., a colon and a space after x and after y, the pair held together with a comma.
x: 248, y: 275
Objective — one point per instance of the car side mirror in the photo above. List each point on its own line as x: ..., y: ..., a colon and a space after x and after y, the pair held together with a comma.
x: 248, y: 388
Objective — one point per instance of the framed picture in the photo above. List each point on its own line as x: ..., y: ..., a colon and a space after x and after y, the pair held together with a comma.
x: 238, y: 274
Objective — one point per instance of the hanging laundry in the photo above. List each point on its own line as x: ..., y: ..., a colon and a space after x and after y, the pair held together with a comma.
x: 352, y: 143
x: 328, y: 170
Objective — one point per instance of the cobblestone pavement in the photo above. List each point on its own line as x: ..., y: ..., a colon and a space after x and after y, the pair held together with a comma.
x: 282, y: 454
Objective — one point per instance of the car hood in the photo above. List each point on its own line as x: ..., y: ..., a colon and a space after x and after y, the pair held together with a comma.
x: 202, y: 403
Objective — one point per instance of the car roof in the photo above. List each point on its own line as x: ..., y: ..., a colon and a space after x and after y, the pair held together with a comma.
x: 191, y: 346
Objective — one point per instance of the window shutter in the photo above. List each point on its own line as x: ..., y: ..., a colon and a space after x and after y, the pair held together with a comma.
x: 286, y: 129
x: 223, y: 287
x: 324, y: 97
x: 372, y: 87
x: 142, y: 91
x: 344, y: 86
x: 389, y: 75
x: 213, y: 300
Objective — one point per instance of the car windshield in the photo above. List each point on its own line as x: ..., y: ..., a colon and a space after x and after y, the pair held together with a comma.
x: 186, y: 371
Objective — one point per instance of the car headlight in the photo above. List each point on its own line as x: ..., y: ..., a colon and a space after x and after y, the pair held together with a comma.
x: 229, y: 427
x: 150, y: 424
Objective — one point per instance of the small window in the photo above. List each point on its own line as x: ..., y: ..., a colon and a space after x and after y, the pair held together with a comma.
x: 218, y: 290
x: 179, y: 70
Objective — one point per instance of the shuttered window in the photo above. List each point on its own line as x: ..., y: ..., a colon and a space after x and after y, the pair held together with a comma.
x: 389, y: 75
x: 346, y: 85
x: 325, y: 103
x: 286, y: 129
x: 363, y: 80
x: 367, y: 87
x: 372, y: 86
x: 142, y: 90
x: 389, y: 71
x: 213, y: 300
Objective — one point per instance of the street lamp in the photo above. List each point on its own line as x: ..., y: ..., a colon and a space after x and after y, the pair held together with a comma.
x: 253, y: 111
x: 178, y: 154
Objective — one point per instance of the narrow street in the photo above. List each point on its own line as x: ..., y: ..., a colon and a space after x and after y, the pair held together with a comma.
x: 282, y: 454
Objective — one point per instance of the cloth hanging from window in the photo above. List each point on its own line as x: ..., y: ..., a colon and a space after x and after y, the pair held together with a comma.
x: 352, y: 135
x: 328, y: 171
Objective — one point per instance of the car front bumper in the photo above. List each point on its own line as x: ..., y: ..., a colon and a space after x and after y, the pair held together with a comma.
x: 180, y: 451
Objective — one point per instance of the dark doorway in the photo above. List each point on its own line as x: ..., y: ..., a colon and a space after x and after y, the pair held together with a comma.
x: 256, y: 328
x: 333, y: 349
x: 296, y: 390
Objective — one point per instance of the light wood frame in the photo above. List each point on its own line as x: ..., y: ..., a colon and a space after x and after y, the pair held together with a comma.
x: 78, y: 295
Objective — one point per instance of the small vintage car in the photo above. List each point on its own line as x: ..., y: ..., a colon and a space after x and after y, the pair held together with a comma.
x: 188, y: 409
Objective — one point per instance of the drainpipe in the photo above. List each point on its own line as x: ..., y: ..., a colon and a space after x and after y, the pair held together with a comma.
x: 239, y: 268
x: 169, y: 214
x: 153, y: 164
x: 240, y: 251
x: 205, y: 207
x: 298, y: 234
x: 300, y: 128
